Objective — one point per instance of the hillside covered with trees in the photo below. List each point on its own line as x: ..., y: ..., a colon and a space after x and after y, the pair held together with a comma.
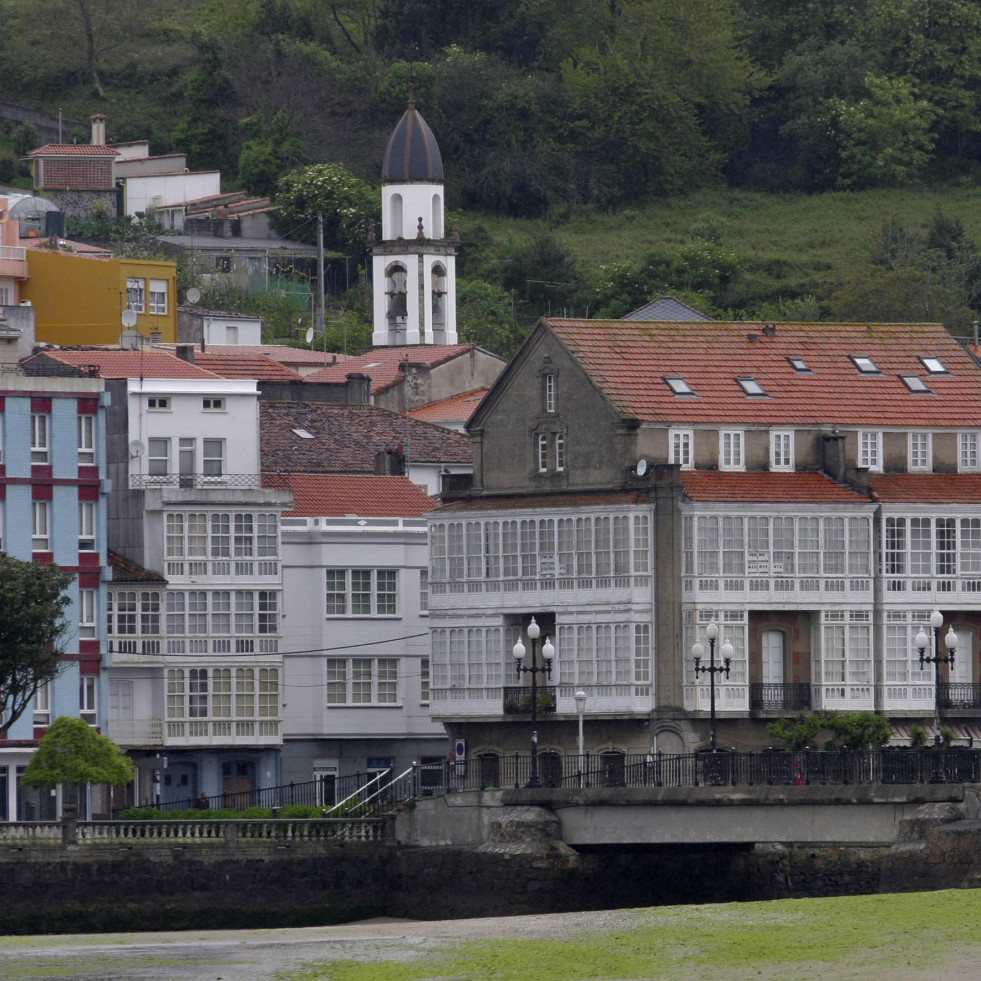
x: 552, y: 111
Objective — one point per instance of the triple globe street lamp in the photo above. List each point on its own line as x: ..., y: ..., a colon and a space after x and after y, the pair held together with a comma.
x: 922, y: 642
x: 548, y: 652
x: 712, y: 669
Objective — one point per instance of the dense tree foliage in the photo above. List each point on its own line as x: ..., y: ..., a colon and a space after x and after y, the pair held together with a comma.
x: 33, y: 602
x: 544, y: 109
x: 72, y: 752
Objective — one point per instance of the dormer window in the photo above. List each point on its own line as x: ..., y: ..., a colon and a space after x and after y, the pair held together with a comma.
x: 934, y: 365
x: 915, y: 384
x: 751, y: 386
x: 865, y: 365
x: 678, y: 385
x: 799, y: 364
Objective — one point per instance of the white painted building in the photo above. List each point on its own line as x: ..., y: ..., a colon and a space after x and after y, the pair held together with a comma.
x: 355, y: 582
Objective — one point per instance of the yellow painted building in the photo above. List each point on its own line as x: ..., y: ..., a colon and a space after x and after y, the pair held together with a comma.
x: 82, y: 300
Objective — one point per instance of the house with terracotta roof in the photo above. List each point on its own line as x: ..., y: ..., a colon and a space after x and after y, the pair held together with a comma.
x: 355, y: 637
x: 452, y: 413
x: 321, y: 437
x: 197, y: 667
x: 406, y: 378
x: 813, y: 490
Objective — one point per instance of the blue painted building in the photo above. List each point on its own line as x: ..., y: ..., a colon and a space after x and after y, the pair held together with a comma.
x: 53, y: 509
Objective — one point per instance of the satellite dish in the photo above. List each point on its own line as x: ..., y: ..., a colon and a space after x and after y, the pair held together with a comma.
x: 193, y: 295
x: 641, y: 467
x: 135, y: 449
x: 309, y: 335
x: 130, y: 340
x: 129, y: 318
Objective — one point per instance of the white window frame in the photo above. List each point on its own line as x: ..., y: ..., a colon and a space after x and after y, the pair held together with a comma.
x: 542, y: 452
x: 212, y: 457
x: 548, y: 391
x: 40, y: 447
x: 781, y: 449
x: 87, y: 606
x: 136, y: 294
x: 158, y: 403
x: 86, y: 439
x: 363, y: 681
x: 40, y: 526
x: 968, y: 451
x: 153, y: 461
x: 920, y: 453
x: 86, y: 526
x: 559, y: 451
x: 870, y: 449
x: 681, y: 443
x: 359, y: 593
x: 732, y: 449
x: 42, y: 704
x: 158, y: 296
x: 212, y: 404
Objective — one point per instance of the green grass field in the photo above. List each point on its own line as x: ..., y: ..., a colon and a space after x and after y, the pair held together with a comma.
x: 899, y: 937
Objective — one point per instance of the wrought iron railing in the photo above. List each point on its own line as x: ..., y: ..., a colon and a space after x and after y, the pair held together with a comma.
x: 959, y: 695
x: 703, y: 769
x: 780, y: 698
x: 195, y: 481
x: 517, y: 700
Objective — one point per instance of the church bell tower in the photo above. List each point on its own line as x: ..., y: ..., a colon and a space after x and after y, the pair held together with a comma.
x: 414, y: 263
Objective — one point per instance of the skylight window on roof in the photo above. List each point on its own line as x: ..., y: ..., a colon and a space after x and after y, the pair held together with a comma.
x: 751, y: 386
x: 303, y: 434
x: 915, y: 383
x: 934, y: 365
x: 865, y: 365
x: 374, y: 364
x: 678, y: 385
x: 798, y: 364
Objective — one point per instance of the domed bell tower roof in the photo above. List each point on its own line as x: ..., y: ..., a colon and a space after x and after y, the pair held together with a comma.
x: 412, y: 153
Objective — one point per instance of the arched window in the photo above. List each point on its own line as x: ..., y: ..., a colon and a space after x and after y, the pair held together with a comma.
x: 395, y: 213
x: 396, y: 289
x: 437, y: 220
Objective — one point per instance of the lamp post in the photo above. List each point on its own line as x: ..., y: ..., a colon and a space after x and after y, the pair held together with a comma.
x: 698, y: 652
x: 580, y: 708
x: 922, y: 642
x: 548, y: 652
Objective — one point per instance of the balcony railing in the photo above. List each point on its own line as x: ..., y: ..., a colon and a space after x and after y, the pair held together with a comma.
x: 195, y: 481
x: 960, y: 695
x: 517, y: 701
x: 780, y: 698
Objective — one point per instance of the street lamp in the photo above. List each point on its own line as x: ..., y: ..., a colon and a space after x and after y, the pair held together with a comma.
x: 580, y: 697
x: 698, y: 652
x: 548, y: 652
x: 922, y: 643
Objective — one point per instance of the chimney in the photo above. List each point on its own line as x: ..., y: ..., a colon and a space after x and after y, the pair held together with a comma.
x: 185, y: 352
x: 98, y: 129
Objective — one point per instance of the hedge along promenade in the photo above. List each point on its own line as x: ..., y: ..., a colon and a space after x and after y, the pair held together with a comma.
x: 921, y: 936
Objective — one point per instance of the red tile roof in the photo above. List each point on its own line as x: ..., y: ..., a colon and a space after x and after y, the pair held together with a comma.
x: 629, y: 361
x: 457, y: 408
x: 69, y: 246
x: 345, y: 438
x: 333, y: 496
x: 73, y: 150
x: 129, y: 364
x: 384, y: 364
x: 229, y: 362
x: 125, y: 571
x: 926, y: 488
x: 767, y: 487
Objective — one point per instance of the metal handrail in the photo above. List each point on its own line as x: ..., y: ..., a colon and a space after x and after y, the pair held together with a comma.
x: 357, y: 795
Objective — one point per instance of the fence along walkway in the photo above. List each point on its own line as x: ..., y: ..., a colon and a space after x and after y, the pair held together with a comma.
x: 214, y: 830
